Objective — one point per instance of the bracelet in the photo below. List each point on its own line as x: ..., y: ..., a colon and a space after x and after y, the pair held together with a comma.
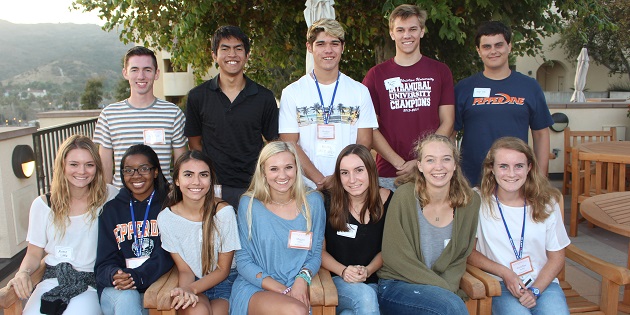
x: 307, y: 271
x: 28, y: 271
x: 344, y: 270
x: 305, y: 277
x: 287, y: 290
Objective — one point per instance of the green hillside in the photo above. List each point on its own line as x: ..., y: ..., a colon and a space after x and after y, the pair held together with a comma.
x: 58, y: 53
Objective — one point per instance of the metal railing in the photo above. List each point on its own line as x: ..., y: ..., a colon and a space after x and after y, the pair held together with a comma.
x: 46, y: 142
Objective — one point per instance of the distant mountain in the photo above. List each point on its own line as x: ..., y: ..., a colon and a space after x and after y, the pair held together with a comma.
x: 62, y: 53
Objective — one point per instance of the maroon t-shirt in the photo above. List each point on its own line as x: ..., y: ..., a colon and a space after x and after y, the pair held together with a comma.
x: 406, y: 101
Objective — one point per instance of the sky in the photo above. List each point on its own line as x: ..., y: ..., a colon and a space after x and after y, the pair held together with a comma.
x: 44, y: 11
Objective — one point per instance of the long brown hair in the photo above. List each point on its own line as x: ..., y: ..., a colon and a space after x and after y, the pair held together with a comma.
x: 60, y: 188
x: 537, y: 190
x: 208, y: 225
x: 459, y: 193
x: 339, y: 199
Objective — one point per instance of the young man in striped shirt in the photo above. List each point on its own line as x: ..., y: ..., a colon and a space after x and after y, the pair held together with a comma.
x: 142, y: 118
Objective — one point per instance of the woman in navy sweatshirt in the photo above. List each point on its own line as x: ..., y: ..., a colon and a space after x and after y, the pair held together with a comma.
x: 130, y: 255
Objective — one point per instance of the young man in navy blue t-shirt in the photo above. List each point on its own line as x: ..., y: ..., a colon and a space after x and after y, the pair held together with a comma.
x: 499, y: 102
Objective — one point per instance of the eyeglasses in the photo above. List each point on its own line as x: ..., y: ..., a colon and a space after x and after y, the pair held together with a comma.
x: 142, y: 170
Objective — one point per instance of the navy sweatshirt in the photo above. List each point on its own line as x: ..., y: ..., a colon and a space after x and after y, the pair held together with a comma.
x: 115, y: 241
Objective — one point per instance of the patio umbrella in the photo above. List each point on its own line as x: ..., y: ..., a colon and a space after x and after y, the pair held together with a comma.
x: 580, y: 76
x: 315, y: 10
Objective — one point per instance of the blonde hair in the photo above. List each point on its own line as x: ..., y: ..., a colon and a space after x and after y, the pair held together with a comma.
x: 459, y: 193
x: 328, y: 26
x: 537, y: 190
x: 259, y: 188
x: 60, y: 188
x: 405, y: 11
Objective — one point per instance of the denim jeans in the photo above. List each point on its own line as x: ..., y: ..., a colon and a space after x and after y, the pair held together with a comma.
x: 356, y: 298
x: 551, y: 301
x: 232, y: 195
x: 223, y: 289
x: 122, y: 302
x: 399, y: 297
x: 387, y: 182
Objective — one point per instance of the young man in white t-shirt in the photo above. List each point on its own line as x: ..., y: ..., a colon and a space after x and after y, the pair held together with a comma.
x: 325, y: 110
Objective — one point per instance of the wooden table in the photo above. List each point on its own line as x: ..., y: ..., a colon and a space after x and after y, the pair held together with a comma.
x: 611, y: 212
x: 608, y: 148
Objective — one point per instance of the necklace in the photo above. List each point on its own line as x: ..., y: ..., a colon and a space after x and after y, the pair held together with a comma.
x: 281, y: 204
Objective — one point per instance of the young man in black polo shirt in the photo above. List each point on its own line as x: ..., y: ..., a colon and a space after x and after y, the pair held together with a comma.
x: 227, y: 116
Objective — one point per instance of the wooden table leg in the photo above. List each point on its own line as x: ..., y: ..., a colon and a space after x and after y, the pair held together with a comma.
x: 624, y: 305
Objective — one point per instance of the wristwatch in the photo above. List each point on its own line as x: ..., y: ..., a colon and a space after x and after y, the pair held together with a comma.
x: 535, y: 292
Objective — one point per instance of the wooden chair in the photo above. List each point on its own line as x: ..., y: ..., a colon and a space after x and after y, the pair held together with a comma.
x: 480, y: 288
x: 613, y: 277
x: 606, y: 174
x: 9, y: 301
x: 575, y: 138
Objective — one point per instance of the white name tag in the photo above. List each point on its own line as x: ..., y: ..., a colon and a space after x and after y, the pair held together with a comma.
x: 326, y: 149
x: 300, y: 239
x: 154, y: 136
x: 134, y: 263
x: 392, y: 83
x: 326, y: 132
x: 351, y: 232
x: 522, y: 266
x: 446, y: 241
x: 64, y: 253
x: 481, y: 92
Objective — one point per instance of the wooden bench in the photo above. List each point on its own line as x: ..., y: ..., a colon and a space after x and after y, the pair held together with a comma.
x: 322, y: 291
x: 9, y: 301
x: 476, y: 283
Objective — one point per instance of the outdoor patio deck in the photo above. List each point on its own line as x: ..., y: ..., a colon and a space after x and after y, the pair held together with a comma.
x: 599, y: 242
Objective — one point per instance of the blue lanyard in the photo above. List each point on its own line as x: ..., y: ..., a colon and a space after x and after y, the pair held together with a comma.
x: 327, y: 113
x: 137, y: 243
x: 518, y: 254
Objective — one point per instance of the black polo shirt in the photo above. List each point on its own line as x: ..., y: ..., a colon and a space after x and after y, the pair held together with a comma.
x: 231, y: 131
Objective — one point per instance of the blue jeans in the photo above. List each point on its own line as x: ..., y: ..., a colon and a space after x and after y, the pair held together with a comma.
x: 223, y: 290
x: 399, y: 297
x: 356, y: 298
x: 122, y: 302
x: 387, y: 182
x: 551, y: 301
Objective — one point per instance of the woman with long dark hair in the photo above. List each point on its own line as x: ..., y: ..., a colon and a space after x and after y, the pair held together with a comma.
x: 200, y: 232
x: 356, y: 208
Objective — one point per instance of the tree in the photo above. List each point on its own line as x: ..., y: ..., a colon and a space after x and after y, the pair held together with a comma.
x: 605, y: 30
x: 122, y: 90
x: 93, y: 94
x: 277, y: 30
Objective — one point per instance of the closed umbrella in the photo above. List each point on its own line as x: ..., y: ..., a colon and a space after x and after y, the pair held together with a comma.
x: 315, y: 10
x: 580, y: 76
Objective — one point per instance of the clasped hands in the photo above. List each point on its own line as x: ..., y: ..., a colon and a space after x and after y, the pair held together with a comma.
x: 355, y: 273
x: 518, y: 289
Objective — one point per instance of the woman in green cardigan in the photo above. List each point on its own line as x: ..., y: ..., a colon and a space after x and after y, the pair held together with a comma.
x: 429, y: 233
